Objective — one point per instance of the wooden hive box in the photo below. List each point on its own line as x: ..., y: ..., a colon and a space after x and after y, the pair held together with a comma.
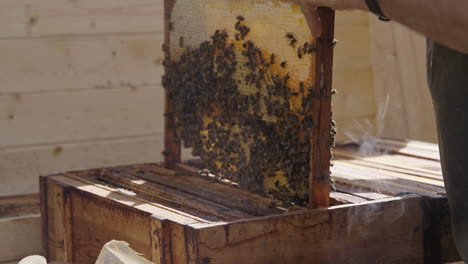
x: 177, y: 217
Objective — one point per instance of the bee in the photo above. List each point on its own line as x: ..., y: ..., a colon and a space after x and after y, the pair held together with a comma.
x: 333, y: 43
x: 240, y: 18
x: 283, y: 64
x: 299, y: 52
x: 237, y: 25
x: 293, y: 42
x: 289, y: 35
x: 301, y: 87
x: 272, y: 58
x: 311, y: 48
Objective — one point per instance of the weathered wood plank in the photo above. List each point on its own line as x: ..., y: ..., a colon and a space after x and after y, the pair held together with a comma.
x: 178, y: 244
x: 409, y: 147
x: 59, y: 237
x: 391, y: 161
x: 342, y: 234
x: 360, y: 192
x: 126, y: 199
x: 398, y: 172
x: 204, y: 208
x: 21, y: 167
x: 97, y: 220
x: 427, y: 179
x: 95, y: 62
x: 98, y: 115
x: 382, y: 182
x: 339, y: 198
x: 320, y: 140
x: 219, y: 193
x: 29, y: 18
x: 160, y: 241
x: 19, y: 205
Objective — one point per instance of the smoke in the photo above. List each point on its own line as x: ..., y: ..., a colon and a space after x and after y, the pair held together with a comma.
x: 364, y: 132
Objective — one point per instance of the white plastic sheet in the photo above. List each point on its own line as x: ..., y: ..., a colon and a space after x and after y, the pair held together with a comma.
x: 119, y: 252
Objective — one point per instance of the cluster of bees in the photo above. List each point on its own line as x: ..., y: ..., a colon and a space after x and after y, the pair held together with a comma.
x: 243, y: 137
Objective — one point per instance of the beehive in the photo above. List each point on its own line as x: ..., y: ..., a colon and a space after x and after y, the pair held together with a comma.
x: 249, y: 90
x: 389, y: 206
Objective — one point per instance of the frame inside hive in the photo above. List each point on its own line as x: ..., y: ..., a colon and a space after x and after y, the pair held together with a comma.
x: 249, y: 90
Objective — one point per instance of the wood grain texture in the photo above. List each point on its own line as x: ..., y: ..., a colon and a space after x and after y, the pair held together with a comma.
x: 160, y: 241
x: 57, y: 18
x: 74, y: 63
x: 219, y: 193
x: 172, y: 146
x: 21, y: 167
x: 321, y: 142
x: 94, y: 114
x: 343, y: 234
x: 390, y: 166
x: 123, y: 198
x: 19, y: 205
x: 58, y: 228
x: 175, y: 198
x: 93, y: 227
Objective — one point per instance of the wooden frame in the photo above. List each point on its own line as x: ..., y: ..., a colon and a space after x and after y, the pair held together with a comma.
x: 319, y: 174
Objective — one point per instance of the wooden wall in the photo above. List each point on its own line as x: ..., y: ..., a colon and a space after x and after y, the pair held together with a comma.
x: 80, y: 85
x: 400, y: 78
x: 380, y: 74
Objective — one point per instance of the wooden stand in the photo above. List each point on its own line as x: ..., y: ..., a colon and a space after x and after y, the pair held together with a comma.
x: 175, y: 217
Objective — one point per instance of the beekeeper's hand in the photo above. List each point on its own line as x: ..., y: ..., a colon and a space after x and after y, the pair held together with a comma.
x: 444, y: 21
x: 309, y: 8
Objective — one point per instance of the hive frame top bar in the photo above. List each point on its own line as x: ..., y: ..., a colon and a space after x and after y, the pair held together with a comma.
x: 319, y: 186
